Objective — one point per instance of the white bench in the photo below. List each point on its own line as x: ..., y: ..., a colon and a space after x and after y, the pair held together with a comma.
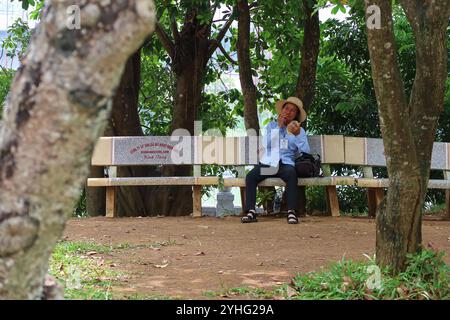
x: 112, y: 152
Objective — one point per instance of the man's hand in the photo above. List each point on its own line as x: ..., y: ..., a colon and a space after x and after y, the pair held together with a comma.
x: 281, y: 121
x: 294, y: 127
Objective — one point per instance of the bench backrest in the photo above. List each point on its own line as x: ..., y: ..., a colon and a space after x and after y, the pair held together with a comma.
x: 159, y: 150
x: 370, y: 152
x: 156, y: 150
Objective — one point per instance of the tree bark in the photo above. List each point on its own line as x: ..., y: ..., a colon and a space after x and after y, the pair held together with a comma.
x: 125, y: 121
x: 190, y: 52
x: 306, y: 82
x: 408, y: 129
x: 95, y: 197
x: 58, y: 107
x: 249, y: 90
x: 245, y: 67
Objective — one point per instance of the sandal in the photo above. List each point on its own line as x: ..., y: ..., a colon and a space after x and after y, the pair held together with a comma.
x: 250, y: 217
x: 292, y: 217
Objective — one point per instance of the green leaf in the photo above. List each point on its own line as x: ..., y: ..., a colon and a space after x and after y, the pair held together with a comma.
x: 335, y: 10
x: 344, y: 107
x: 265, y: 122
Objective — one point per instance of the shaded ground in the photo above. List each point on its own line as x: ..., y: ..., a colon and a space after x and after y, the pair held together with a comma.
x: 193, y: 256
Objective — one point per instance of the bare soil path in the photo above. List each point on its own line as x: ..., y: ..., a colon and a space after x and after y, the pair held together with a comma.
x: 211, y: 254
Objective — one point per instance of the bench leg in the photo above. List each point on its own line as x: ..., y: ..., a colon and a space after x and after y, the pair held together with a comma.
x: 111, y: 211
x: 332, y: 201
x: 243, y: 200
x: 301, y: 208
x: 197, y: 201
x: 374, y: 197
x: 447, y: 203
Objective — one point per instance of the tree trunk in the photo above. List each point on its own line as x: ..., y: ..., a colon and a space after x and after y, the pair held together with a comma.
x: 125, y: 121
x: 310, y: 52
x: 189, y: 51
x: 408, y: 130
x: 245, y: 67
x: 248, y: 88
x: 59, y: 103
x: 306, y: 81
x: 95, y: 197
x: 191, y: 54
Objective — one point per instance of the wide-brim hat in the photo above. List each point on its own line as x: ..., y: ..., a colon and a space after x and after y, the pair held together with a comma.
x: 301, y: 116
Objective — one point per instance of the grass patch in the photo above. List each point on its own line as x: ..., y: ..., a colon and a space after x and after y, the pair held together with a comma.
x: 434, y: 209
x: 354, y: 214
x: 426, y: 277
x: 152, y: 245
x: 139, y: 296
x: 253, y: 293
x: 87, y: 276
x: 83, y: 274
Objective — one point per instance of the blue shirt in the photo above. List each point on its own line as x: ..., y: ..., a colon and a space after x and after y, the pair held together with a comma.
x: 273, y: 146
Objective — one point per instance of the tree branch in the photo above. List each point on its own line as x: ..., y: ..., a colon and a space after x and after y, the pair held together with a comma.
x: 165, y: 40
x: 176, y: 34
x: 227, y: 55
x: 215, y: 43
x: 253, y: 5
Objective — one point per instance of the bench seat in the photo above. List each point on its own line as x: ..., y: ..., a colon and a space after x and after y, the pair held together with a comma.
x: 384, y: 183
x: 152, y: 181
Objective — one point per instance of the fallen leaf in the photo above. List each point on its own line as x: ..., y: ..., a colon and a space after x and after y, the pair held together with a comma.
x: 400, y: 291
x: 291, y: 292
x: 201, y: 253
x: 164, y: 264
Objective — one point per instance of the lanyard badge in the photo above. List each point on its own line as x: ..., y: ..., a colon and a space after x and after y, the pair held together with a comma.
x: 283, y: 143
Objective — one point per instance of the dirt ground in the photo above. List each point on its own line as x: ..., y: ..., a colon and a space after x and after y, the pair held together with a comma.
x: 215, y: 254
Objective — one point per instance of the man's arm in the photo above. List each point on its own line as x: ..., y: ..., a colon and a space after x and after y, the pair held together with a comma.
x: 301, y: 141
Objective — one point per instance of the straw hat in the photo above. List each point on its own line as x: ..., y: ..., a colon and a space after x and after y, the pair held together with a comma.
x: 301, y: 116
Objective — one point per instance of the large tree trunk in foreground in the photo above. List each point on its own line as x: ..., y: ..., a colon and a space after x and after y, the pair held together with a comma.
x: 59, y: 103
x: 408, y: 129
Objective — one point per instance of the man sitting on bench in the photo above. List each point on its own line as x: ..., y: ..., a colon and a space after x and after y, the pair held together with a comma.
x: 281, y: 143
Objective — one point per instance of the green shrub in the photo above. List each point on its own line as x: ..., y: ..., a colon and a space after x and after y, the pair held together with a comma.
x: 5, y: 82
x: 425, y: 277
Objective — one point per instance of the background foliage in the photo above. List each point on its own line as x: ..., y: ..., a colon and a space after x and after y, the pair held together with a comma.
x: 344, y: 103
